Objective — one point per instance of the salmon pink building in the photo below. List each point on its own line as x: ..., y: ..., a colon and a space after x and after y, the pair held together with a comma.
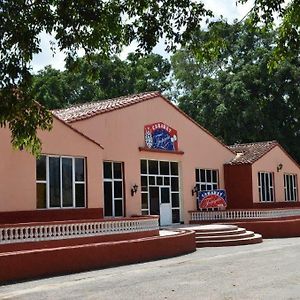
x: 140, y: 155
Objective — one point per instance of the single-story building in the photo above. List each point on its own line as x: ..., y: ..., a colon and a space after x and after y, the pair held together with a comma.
x: 262, y: 175
x: 137, y: 155
x: 62, y: 184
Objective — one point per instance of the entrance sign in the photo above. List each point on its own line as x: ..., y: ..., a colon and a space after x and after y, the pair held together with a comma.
x: 212, y: 199
x: 161, y: 136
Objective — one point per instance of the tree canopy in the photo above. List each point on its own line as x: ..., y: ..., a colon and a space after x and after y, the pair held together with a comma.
x: 236, y: 96
x: 97, y: 77
x: 104, y: 27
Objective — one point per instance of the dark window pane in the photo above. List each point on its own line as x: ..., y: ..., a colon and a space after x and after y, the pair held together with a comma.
x: 107, y: 169
x: 209, y: 187
x: 197, y: 175
x: 41, y: 195
x: 79, y: 169
x: 203, y: 187
x: 144, y: 201
x: 54, y: 179
x: 153, y: 167
x: 165, y: 195
x: 118, y: 208
x: 143, y: 166
x: 145, y: 213
x: 166, y: 180
x: 215, y: 176
x: 175, y: 216
x: 174, y: 184
x: 208, y: 175
x: 144, y: 183
x: 174, y: 168
x: 118, y: 189
x: 118, y: 170
x: 108, y: 199
x: 202, y: 175
x: 41, y: 168
x: 175, y: 200
x: 79, y: 195
x: 67, y: 182
x: 164, y: 168
x: 271, y: 179
x: 151, y: 180
x: 215, y: 187
x: 159, y: 180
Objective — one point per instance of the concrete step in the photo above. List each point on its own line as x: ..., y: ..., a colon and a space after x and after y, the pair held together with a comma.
x: 256, y: 238
x: 212, y: 228
x: 238, y: 235
x: 238, y: 230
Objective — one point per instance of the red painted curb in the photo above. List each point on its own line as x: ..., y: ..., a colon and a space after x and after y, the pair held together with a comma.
x: 56, y: 261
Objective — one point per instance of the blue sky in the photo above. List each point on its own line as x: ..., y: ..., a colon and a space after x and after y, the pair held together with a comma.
x: 227, y: 8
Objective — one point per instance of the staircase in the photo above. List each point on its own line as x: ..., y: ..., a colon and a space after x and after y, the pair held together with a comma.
x: 224, y: 235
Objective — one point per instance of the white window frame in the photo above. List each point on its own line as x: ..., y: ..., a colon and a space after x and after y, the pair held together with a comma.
x: 290, y: 187
x: 74, y: 182
x: 268, y: 189
x: 206, y: 182
x: 146, y: 211
x: 112, y: 180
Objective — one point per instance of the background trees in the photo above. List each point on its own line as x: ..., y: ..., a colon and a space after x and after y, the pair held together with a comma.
x: 236, y: 96
x: 95, y: 78
x: 104, y: 27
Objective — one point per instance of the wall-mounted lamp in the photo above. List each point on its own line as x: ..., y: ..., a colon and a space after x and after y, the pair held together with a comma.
x: 194, y: 190
x: 134, y: 189
x: 279, y: 167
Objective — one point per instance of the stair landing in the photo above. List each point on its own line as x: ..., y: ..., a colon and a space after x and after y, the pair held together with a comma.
x: 218, y: 235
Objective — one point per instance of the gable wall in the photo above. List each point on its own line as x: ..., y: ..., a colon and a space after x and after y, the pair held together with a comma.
x: 269, y: 163
x: 18, y: 168
x: 121, y: 132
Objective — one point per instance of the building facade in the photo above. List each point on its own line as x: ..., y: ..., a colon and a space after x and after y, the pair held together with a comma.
x: 137, y: 155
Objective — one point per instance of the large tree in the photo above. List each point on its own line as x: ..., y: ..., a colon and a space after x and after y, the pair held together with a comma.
x: 237, y: 96
x: 104, y: 27
x: 95, y: 78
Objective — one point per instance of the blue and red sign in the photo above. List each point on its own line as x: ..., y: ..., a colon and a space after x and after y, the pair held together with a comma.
x: 161, y: 136
x: 212, y: 199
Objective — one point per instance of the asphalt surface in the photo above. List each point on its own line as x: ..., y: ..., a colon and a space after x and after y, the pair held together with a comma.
x: 270, y: 270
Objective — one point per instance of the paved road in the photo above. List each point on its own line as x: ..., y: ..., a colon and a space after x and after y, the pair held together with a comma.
x: 270, y: 270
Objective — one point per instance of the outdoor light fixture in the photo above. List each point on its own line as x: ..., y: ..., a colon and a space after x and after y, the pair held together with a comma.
x: 194, y: 190
x: 134, y: 189
x: 279, y: 167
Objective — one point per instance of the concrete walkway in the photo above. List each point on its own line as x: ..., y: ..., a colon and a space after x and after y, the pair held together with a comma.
x: 270, y: 270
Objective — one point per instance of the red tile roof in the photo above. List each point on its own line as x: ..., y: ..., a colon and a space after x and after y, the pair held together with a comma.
x: 88, y: 110
x: 250, y: 152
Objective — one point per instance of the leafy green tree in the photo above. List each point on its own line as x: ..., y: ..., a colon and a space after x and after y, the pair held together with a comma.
x: 97, y: 77
x: 96, y: 26
x: 105, y: 27
x: 236, y: 96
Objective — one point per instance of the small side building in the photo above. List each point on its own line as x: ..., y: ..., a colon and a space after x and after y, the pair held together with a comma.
x: 262, y: 175
x: 63, y: 184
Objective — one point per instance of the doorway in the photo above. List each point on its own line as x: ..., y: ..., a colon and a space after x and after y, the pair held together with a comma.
x: 160, y: 204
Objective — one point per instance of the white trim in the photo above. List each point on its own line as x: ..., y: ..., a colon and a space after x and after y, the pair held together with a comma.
x: 243, y: 214
x: 47, y: 182
x: 48, y: 232
x: 267, y: 190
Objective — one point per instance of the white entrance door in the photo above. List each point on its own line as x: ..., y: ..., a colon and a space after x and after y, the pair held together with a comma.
x: 165, y: 206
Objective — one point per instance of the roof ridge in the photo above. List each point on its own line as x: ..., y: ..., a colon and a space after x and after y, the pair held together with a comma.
x: 136, y: 95
x: 254, y: 143
x: 90, y: 109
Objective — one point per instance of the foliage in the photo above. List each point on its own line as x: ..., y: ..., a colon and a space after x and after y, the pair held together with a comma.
x: 95, y: 78
x: 96, y: 26
x: 236, y: 96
